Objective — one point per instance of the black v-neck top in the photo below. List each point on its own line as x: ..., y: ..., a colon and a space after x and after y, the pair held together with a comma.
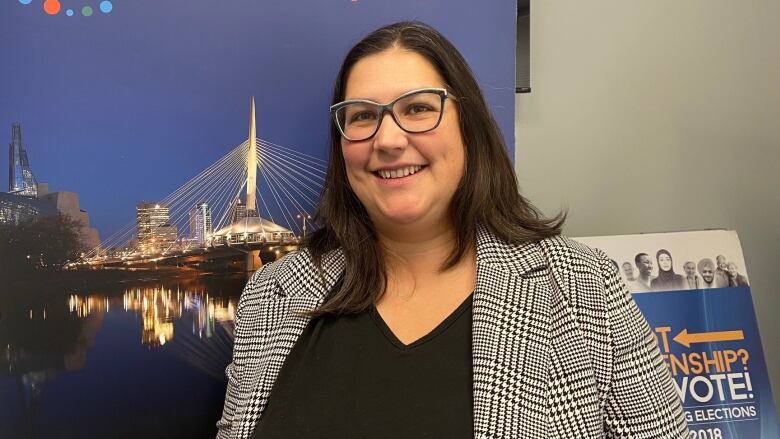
x: 350, y: 377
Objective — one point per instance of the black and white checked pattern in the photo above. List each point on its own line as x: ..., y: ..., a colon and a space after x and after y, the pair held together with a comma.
x: 560, y: 349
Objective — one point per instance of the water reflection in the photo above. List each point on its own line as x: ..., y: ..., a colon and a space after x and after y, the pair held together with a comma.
x: 159, y: 308
x: 83, y: 307
x: 52, y: 340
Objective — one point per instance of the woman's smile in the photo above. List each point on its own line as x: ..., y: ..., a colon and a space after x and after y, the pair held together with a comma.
x: 401, y: 177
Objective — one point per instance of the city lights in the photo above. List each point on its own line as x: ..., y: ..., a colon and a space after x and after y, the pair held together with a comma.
x: 220, y: 209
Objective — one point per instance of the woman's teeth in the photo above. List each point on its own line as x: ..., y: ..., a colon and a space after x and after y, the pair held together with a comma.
x: 399, y: 173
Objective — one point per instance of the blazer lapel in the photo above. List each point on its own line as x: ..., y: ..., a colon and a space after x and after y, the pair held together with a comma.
x: 510, y: 340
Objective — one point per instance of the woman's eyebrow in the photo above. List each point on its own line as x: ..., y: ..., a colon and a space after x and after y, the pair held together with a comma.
x: 394, y: 98
x: 360, y: 99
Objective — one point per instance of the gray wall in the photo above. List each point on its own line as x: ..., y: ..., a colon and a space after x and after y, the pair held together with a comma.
x: 657, y: 116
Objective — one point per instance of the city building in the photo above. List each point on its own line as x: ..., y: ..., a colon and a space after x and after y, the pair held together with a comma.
x: 27, y: 199
x: 239, y: 210
x: 67, y: 203
x: 21, y: 180
x: 164, y: 237
x: 43, y: 189
x: 155, y: 233
x: 149, y: 216
x: 20, y: 203
x: 15, y: 209
x: 200, y: 223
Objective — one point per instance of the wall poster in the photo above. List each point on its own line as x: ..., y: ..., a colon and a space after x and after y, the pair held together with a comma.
x: 140, y: 121
x: 694, y: 291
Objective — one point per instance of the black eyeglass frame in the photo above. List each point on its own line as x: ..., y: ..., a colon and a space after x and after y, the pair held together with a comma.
x: 442, y: 92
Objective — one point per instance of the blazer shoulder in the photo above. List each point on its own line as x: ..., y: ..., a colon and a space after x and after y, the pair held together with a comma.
x: 265, y: 281
x: 566, y: 253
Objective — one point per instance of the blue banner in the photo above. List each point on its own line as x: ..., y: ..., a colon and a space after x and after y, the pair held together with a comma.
x: 693, y: 289
x: 710, y: 341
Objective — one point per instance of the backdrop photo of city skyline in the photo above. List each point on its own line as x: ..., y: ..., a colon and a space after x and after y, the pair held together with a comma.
x: 158, y: 152
x: 127, y: 106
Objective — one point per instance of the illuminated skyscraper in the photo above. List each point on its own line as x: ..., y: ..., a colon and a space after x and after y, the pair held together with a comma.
x: 149, y: 216
x: 239, y: 210
x: 20, y: 178
x: 15, y: 209
x: 154, y: 231
x: 200, y: 223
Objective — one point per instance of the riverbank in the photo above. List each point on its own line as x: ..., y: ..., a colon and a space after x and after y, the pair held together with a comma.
x: 115, y: 280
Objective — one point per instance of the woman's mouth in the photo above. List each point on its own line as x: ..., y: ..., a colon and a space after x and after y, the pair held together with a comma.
x: 399, y: 177
x: 399, y: 173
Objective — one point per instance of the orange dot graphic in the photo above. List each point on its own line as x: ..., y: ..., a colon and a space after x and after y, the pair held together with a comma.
x: 52, y: 7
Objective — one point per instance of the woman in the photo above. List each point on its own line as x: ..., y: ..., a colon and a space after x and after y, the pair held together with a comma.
x: 667, y: 279
x: 692, y: 280
x: 434, y: 300
x: 735, y: 278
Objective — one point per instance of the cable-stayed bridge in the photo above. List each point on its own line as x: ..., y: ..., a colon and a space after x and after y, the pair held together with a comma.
x: 256, y: 199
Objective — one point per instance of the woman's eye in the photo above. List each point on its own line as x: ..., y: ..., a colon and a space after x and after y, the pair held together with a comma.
x: 362, y: 116
x: 417, y: 109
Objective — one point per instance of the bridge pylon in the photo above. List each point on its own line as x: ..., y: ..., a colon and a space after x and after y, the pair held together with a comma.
x: 253, y: 261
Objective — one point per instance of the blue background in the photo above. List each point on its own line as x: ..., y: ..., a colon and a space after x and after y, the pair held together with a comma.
x: 127, y: 106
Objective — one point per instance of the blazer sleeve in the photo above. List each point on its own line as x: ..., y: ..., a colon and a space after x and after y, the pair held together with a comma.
x: 642, y: 401
x: 232, y: 399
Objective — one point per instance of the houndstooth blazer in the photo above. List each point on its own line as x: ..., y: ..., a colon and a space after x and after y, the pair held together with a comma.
x: 560, y: 349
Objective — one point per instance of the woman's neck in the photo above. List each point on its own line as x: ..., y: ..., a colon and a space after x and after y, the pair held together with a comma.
x: 414, y: 262
x: 418, y: 252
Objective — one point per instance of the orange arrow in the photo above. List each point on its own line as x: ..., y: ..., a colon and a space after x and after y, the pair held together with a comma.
x: 685, y: 339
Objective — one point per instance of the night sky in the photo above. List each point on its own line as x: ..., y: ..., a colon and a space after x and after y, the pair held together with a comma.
x: 128, y: 105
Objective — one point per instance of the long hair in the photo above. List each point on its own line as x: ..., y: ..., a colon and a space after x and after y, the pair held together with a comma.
x: 487, y: 194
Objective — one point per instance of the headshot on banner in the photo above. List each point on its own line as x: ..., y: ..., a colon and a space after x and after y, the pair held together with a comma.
x: 648, y: 273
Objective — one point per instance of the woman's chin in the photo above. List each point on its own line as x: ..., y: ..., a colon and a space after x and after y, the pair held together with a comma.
x: 403, y: 217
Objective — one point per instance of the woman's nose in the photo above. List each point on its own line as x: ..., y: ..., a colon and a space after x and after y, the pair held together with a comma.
x: 390, y: 136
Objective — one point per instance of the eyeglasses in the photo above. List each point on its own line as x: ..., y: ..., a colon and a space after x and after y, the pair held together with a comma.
x: 416, y: 111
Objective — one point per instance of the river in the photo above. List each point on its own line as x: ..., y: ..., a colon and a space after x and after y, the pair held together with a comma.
x: 140, y: 357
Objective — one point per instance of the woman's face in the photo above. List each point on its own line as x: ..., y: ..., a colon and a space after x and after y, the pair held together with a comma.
x: 628, y: 270
x: 421, y: 198
x: 664, y: 262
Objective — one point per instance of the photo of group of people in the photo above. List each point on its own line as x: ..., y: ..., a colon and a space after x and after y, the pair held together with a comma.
x: 674, y: 261
x: 642, y: 275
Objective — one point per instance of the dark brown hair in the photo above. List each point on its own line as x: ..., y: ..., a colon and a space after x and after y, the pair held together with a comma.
x: 487, y: 194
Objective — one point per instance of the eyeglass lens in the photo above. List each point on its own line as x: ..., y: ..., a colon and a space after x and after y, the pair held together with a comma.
x: 415, y: 113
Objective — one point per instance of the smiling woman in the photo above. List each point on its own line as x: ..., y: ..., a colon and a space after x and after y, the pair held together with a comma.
x: 434, y: 300
x: 413, y: 206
